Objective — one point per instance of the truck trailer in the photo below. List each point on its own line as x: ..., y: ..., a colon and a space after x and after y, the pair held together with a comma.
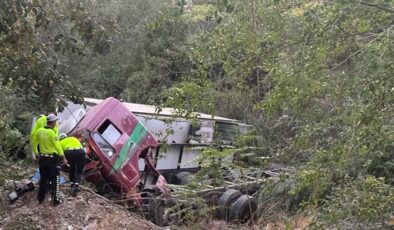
x: 130, y: 148
x: 180, y: 138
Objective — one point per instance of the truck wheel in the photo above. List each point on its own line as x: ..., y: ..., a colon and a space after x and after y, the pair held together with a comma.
x: 225, y: 201
x: 182, y: 178
x: 243, y: 208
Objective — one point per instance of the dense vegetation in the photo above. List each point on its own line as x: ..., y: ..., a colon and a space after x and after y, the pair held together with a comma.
x: 316, y: 79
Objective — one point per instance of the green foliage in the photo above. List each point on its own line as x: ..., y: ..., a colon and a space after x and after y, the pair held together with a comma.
x: 315, y: 78
x: 186, y: 98
x: 216, y: 164
x: 159, y: 58
x: 213, y: 161
x: 227, y: 57
x: 250, y: 138
x: 343, y: 128
x: 120, y: 31
x: 276, y: 200
x: 199, y: 14
x: 10, y: 137
x: 383, y: 165
x: 361, y: 204
x: 35, y: 36
x: 26, y: 61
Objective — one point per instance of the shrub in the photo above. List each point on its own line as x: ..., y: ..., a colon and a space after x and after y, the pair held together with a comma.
x: 360, y: 204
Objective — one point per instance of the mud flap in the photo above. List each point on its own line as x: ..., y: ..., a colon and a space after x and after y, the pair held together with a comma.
x: 156, y: 211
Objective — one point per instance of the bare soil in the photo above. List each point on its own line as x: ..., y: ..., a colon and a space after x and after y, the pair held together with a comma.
x: 87, y: 211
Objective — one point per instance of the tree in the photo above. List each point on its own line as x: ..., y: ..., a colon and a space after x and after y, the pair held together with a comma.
x: 30, y: 62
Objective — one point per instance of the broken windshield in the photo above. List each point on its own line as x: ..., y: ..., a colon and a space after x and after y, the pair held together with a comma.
x: 104, y: 146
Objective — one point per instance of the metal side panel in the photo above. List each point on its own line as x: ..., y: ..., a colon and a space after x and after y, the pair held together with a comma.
x: 189, y: 158
x: 160, y: 129
x: 170, y: 159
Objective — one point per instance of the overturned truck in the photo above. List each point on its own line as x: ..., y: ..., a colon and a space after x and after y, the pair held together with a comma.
x: 180, y: 138
x: 115, y: 141
x: 124, y: 148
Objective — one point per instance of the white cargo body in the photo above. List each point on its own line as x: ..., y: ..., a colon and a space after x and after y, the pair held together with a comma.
x: 180, y: 138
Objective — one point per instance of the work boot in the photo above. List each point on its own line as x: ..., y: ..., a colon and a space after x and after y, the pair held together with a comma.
x: 74, y: 190
x: 77, y: 187
x: 40, y: 200
x: 57, y: 202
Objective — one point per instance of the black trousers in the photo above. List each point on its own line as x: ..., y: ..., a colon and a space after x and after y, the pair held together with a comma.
x: 76, y: 159
x: 50, y: 177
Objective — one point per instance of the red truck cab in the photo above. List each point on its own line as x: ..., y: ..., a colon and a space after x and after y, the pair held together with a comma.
x: 116, y: 141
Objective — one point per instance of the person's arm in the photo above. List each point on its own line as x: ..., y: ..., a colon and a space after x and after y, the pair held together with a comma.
x: 33, y: 133
x: 56, y: 129
x: 63, y: 144
x: 58, y: 147
x: 38, y: 123
x: 35, y: 144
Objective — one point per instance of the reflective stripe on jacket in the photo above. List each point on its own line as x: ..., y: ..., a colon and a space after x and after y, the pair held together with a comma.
x: 70, y: 143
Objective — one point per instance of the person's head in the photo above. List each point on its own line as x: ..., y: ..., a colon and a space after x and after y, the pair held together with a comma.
x: 51, y: 120
x: 48, y: 113
x: 62, y: 136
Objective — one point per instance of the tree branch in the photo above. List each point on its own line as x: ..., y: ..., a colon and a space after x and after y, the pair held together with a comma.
x: 380, y: 7
x: 346, y: 59
x: 57, y: 19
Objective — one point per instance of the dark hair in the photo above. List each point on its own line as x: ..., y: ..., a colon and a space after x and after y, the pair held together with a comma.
x: 50, y: 123
x: 47, y: 113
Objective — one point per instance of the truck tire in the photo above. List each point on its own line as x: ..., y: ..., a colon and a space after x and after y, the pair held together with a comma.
x: 182, y: 178
x: 225, y: 201
x: 243, y: 208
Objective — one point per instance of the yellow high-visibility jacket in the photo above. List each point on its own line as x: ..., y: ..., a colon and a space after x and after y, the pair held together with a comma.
x: 42, y: 122
x: 70, y: 143
x: 49, y: 142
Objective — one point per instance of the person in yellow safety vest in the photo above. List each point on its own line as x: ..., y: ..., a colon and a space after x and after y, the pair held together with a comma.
x: 41, y: 121
x: 48, y: 157
x: 75, y: 154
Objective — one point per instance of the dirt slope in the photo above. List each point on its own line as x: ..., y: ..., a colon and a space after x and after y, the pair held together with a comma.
x: 87, y: 211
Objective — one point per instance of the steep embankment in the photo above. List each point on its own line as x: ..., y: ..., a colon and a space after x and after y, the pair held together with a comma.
x: 86, y: 211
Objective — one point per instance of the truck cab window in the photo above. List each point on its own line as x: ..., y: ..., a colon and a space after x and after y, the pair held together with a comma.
x: 109, y: 132
x: 105, y: 147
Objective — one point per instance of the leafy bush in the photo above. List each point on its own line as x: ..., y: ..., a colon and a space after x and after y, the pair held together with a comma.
x: 9, y: 136
x: 362, y: 204
x: 383, y: 165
